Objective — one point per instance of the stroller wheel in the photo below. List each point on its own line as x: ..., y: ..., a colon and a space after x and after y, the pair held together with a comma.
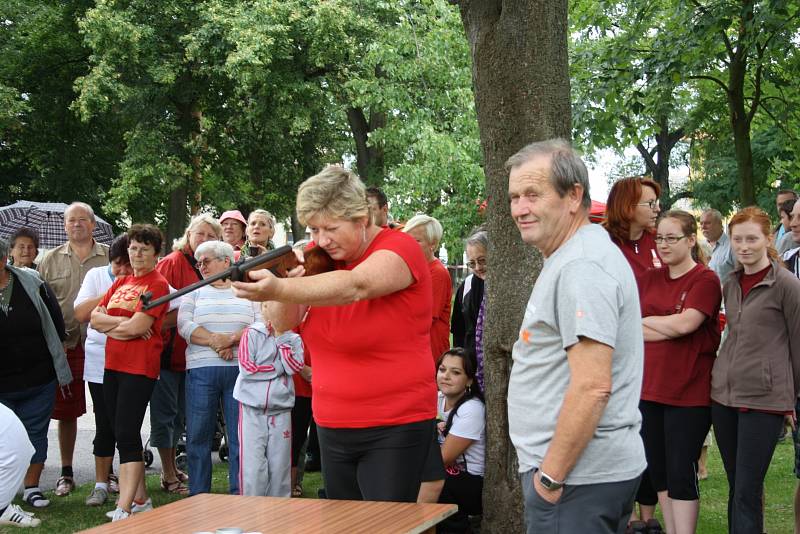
x: 223, y: 452
x: 148, y: 457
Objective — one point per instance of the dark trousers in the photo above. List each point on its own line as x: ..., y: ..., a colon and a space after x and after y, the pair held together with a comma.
x: 746, y: 442
x: 673, y: 437
x: 103, y: 434
x: 597, y: 508
x: 301, y: 419
x: 374, y: 464
x: 126, y: 397
x: 465, y: 490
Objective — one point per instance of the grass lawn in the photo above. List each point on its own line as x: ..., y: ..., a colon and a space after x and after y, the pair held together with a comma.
x: 69, y: 514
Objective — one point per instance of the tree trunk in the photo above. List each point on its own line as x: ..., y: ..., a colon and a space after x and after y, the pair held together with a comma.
x: 658, y: 166
x: 740, y: 124
x: 521, y: 82
x: 369, y: 158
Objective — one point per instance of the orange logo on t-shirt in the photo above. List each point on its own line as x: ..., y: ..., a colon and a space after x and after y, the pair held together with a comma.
x: 127, y: 297
x: 525, y: 335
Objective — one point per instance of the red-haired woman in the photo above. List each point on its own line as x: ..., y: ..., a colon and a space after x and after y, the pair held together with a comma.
x: 680, y: 310
x: 755, y: 379
x: 631, y: 214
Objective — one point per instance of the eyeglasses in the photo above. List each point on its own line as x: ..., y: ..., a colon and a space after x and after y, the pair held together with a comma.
x: 204, y: 263
x: 474, y: 263
x: 654, y: 204
x: 668, y: 239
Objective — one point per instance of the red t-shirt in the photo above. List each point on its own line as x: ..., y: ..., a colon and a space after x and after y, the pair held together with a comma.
x: 641, y: 254
x: 677, y: 371
x: 442, y: 295
x: 372, y: 363
x: 179, y: 273
x: 136, y: 356
x: 748, y: 281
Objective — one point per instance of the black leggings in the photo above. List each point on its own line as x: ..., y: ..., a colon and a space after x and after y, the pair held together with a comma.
x: 375, y: 464
x: 103, y: 435
x: 126, y: 397
x: 301, y: 419
x: 746, y: 442
x: 673, y: 437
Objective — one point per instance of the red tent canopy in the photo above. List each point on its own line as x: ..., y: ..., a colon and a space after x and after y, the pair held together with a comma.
x: 597, y: 213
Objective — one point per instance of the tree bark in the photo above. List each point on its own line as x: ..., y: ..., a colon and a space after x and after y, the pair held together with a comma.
x: 369, y: 157
x: 521, y: 82
x: 740, y: 123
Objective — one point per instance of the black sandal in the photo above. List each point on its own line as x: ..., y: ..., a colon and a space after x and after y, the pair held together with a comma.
x: 37, y: 500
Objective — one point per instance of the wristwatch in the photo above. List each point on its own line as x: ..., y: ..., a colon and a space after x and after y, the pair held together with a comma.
x: 548, y: 483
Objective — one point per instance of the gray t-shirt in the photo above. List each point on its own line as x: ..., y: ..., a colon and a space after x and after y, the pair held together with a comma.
x: 722, y: 261
x: 586, y: 289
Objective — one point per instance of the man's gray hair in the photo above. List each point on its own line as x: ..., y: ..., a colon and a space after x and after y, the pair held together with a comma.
x: 566, y: 168
x: 217, y: 249
x: 3, y: 248
x: 714, y: 213
x: 84, y: 206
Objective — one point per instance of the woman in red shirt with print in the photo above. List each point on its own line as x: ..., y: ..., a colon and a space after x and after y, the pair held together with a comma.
x: 368, y: 327
x: 680, y: 308
x: 631, y: 214
x: 133, y: 358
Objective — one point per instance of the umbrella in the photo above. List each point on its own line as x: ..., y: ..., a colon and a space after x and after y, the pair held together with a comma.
x: 47, y: 218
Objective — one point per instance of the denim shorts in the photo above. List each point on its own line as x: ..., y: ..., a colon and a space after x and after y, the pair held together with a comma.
x: 33, y: 406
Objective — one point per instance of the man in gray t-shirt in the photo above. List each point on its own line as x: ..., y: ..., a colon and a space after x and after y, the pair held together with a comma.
x: 574, y: 388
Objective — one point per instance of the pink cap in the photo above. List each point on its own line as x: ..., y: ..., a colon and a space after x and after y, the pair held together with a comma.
x: 233, y: 214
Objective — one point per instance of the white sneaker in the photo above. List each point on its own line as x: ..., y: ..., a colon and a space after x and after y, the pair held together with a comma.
x: 119, y: 514
x: 17, y: 517
x: 135, y: 508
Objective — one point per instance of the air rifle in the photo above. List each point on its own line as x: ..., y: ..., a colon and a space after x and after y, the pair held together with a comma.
x: 279, y: 261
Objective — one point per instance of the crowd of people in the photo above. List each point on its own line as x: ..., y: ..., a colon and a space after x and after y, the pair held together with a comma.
x: 623, y: 365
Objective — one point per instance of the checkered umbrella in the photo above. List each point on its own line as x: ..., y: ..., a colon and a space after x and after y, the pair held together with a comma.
x: 47, y: 218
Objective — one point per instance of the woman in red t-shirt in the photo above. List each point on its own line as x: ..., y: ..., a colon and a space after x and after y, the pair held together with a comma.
x: 680, y: 307
x: 368, y: 327
x: 133, y: 354
x: 631, y: 213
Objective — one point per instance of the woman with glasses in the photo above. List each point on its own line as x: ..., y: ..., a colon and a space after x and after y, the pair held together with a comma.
x: 469, y: 295
x: 212, y: 319
x: 167, y: 408
x: 132, y: 365
x: 756, y: 376
x: 631, y: 214
x: 680, y: 309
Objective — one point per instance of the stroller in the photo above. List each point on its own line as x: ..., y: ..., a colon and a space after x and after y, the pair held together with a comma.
x: 219, y: 444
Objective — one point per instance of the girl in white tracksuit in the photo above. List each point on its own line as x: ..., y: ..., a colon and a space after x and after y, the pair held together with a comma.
x: 265, y: 391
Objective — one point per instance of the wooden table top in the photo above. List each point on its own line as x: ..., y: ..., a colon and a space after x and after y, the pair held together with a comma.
x: 208, y: 512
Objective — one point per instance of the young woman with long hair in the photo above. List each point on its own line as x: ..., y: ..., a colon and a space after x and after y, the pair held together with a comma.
x: 755, y: 378
x: 680, y: 313
x: 462, y: 435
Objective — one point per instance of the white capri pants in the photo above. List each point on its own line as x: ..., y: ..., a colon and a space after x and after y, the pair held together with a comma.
x: 16, y: 452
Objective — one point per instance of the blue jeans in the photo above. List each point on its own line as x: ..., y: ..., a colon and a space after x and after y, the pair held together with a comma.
x: 33, y: 407
x: 205, y: 388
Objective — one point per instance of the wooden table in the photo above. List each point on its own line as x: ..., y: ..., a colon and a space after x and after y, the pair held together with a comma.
x: 268, y: 515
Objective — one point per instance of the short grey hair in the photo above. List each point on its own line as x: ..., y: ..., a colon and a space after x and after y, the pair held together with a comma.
x: 263, y: 213
x: 714, y: 213
x: 84, y: 206
x: 433, y: 228
x: 3, y: 248
x: 218, y: 249
x: 478, y: 238
x: 566, y: 166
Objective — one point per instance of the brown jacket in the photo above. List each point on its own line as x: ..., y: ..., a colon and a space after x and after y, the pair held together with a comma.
x: 758, y: 366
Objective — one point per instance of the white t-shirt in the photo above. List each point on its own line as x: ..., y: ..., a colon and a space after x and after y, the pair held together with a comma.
x: 95, y: 284
x: 470, y: 423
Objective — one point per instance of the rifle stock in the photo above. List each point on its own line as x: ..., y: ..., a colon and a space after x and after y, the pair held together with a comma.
x: 279, y: 261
